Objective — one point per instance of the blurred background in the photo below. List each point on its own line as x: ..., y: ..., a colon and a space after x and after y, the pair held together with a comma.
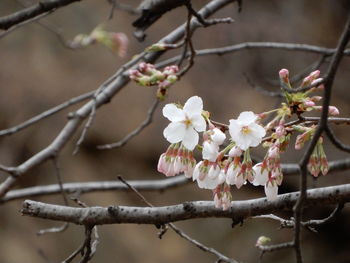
x: 37, y: 72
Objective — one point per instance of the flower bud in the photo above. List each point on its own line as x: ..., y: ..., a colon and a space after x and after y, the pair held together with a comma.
x: 284, y: 75
x: 332, y: 110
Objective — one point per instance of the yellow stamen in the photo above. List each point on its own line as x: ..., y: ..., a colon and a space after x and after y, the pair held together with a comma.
x: 245, y: 130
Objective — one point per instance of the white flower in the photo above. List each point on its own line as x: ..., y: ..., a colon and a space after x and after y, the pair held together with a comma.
x: 185, y: 123
x: 210, y: 151
x: 262, y: 178
x: 245, y: 131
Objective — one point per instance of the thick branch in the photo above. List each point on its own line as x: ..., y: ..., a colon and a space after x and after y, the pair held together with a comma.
x: 189, y: 210
x: 40, y: 8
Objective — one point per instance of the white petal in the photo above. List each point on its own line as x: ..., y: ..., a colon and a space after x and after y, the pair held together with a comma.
x: 173, y: 113
x: 234, y: 127
x: 221, y: 177
x: 230, y: 177
x: 190, y: 139
x: 257, y: 130
x: 199, y: 123
x: 210, y: 151
x: 243, y: 141
x: 207, y: 183
x: 193, y: 106
x: 174, y: 132
x: 271, y: 191
x: 260, y: 177
x: 247, y: 117
x: 196, y: 171
x: 218, y: 137
x: 239, y: 181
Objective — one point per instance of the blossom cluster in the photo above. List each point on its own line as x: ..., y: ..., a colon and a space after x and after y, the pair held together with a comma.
x: 226, y: 162
x: 116, y: 41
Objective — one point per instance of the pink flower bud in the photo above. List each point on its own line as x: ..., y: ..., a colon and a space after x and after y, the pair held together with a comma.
x: 332, y: 110
x: 284, y: 74
x: 309, y: 103
x: 315, y: 74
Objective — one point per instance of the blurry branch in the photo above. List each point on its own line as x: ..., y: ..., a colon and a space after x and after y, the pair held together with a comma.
x: 135, y: 132
x: 321, y: 127
x: 111, y: 87
x: 140, y: 185
x: 35, y: 19
x: 124, y: 7
x: 42, y: 7
x: 261, y: 89
x: 47, y: 113
x: 87, y: 187
x: 257, y: 45
x: 178, y: 231
x: 239, y: 210
x: 336, y: 142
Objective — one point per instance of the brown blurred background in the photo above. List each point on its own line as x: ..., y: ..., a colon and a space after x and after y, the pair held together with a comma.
x: 37, y: 72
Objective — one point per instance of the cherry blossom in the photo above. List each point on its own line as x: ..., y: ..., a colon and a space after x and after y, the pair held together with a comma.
x: 185, y: 123
x: 245, y: 132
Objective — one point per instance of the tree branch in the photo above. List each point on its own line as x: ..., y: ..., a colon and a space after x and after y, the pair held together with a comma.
x: 33, y: 11
x: 188, y: 210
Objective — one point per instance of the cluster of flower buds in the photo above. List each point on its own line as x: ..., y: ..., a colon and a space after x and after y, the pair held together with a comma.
x: 148, y: 75
x: 300, y: 102
x: 177, y: 159
x: 222, y: 197
x: 220, y: 169
x: 117, y: 42
x: 318, y: 161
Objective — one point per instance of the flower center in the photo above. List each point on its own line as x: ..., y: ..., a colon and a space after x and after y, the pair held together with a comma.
x: 245, y: 130
x: 187, y: 122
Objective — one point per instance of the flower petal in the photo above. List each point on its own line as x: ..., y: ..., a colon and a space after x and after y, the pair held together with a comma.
x: 247, y: 117
x: 174, y: 132
x: 193, y: 106
x: 198, y: 122
x: 210, y: 151
x: 243, y: 141
x: 173, y: 113
x: 190, y: 139
x: 218, y: 137
x: 271, y: 191
x: 260, y: 178
x: 208, y: 183
x: 234, y: 128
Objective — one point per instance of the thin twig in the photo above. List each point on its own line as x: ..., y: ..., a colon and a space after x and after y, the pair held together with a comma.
x: 135, y: 132
x: 336, y: 142
x: 65, y: 200
x: 47, y: 114
x: 256, y: 45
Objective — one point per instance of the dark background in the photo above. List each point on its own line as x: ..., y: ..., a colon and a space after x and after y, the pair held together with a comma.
x: 37, y: 72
